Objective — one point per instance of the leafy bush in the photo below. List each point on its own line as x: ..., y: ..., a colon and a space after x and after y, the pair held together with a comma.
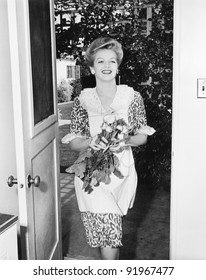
x: 64, y: 91
x: 77, y: 87
x: 153, y: 160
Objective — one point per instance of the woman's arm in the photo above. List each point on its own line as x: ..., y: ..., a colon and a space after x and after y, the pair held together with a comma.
x: 137, y: 119
x: 79, y: 144
x: 79, y: 137
x: 136, y: 140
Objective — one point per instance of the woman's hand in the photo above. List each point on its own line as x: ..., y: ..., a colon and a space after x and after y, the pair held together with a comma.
x: 120, y: 144
x: 97, y: 144
x: 128, y: 140
x: 119, y: 147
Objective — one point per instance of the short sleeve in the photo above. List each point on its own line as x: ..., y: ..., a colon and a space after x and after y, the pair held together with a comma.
x: 136, y: 113
x: 79, y: 120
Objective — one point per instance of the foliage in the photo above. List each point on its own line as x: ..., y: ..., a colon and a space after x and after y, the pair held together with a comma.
x: 147, y: 64
x: 61, y: 96
x: 64, y: 91
x: 153, y: 160
x: 77, y: 87
x: 96, y: 166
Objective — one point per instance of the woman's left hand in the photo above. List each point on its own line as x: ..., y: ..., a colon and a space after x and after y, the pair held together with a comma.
x: 120, y: 145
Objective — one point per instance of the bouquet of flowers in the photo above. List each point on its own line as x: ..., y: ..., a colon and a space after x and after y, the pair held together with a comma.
x: 96, y: 166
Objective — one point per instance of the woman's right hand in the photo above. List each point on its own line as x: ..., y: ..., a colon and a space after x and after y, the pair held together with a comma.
x: 97, y: 144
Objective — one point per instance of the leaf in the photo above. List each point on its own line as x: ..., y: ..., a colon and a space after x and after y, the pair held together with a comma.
x: 115, y: 161
x: 93, y: 182
x: 88, y: 188
x: 83, y: 155
x: 107, y: 179
x: 78, y: 169
x: 111, y: 168
x: 121, y: 122
x: 118, y: 173
x: 86, y: 182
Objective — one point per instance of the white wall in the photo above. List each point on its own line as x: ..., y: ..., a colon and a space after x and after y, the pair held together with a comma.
x: 61, y: 66
x: 188, y: 197
x: 8, y: 196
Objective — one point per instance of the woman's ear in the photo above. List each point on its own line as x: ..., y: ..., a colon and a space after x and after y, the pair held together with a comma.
x: 92, y: 70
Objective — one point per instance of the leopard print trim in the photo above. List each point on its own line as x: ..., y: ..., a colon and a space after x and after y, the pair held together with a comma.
x: 79, y: 120
x: 102, y: 229
x: 136, y: 113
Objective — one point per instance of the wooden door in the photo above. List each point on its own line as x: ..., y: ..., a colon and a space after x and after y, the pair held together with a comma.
x: 31, y: 32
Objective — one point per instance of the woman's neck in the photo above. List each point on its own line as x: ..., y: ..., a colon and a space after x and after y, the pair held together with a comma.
x: 106, y: 93
x: 106, y: 90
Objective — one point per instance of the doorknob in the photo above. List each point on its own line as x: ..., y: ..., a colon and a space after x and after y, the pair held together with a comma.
x: 11, y: 181
x: 31, y: 181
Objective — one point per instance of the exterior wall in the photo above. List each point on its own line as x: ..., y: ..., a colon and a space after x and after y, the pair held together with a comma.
x: 188, y: 197
x: 8, y: 196
x: 62, y: 68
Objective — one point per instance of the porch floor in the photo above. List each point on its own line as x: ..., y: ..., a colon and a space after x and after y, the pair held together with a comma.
x: 145, y: 228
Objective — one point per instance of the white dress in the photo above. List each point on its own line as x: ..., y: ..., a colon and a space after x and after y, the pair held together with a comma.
x: 103, y: 208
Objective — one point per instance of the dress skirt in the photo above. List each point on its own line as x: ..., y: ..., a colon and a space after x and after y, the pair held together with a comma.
x: 103, y: 208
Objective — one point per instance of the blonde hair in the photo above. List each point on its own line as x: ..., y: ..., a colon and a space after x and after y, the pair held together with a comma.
x: 103, y: 43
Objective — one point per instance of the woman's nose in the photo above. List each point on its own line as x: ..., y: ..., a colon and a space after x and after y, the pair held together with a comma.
x: 107, y: 64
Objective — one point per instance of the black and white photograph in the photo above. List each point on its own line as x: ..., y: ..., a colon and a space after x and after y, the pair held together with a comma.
x: 102, y: 144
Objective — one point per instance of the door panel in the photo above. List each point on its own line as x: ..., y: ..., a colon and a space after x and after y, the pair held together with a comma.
x: 36, y: 128
x: 45, y: 217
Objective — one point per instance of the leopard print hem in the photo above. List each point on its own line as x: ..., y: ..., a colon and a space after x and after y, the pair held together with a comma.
x: 103, y: 229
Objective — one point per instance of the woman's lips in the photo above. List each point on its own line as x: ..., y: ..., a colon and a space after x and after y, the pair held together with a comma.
x: 106, y: 71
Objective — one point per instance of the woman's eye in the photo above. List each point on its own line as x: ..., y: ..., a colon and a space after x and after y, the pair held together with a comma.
x: 113, y: 61
x: 100, y: 61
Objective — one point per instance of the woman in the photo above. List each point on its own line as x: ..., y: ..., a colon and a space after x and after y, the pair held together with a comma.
x: 103, y: 208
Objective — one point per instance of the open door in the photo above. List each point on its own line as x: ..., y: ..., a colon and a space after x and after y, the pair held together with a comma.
x: 33, y: 60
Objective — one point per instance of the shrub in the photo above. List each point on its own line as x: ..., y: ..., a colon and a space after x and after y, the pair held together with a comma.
x: 64, y: 91
x: 77, y: 87
x: 153, y: 160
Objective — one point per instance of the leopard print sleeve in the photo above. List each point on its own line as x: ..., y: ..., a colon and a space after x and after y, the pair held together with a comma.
x: 79, y: 120
x: 136, y: 113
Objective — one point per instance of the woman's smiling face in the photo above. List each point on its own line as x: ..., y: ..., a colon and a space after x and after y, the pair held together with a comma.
x: 105, y: 65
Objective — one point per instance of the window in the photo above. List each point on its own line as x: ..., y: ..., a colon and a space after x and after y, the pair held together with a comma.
x: 73, y: 72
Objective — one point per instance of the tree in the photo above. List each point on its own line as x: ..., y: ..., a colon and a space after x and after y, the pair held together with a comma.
x: 147, y: 63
